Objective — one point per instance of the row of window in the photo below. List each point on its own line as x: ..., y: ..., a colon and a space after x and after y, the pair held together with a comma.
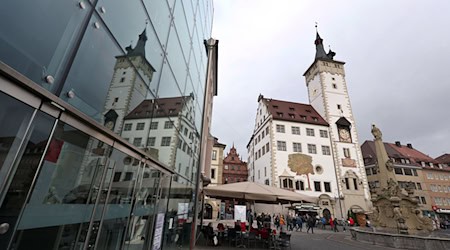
x: 297, y: 147
x: 405, y: 171
x: 233, y: 167
x: 397, y: 170
x: 441, y: 177
x: 442, y: 201
x: 439, y: 188
x: 288, y: 183
x: 296, y: 131
x: 349, y: 181
x: 261, y: 136
x: 153, y: 125
x: 430, y: 164
x: 262, y: 151
x: 151, y: 141
x: 265, y: 173
x: 234, y: 179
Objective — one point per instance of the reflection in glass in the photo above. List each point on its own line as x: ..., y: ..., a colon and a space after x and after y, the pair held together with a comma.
x: 132, y: 21
x: 141, y: 223
x: 36, y: 43
x: 23, y: 170
x: 116, y: 212
x: 177, y: 62
x: 13, y: 126
x: 119, y: 87
x: 169, y: 133
x: 66, y: 189
x: 161, y: 18
x: 179, y: 214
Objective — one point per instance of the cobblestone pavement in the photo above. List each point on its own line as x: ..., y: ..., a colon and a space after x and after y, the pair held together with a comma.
x: 320, y: 240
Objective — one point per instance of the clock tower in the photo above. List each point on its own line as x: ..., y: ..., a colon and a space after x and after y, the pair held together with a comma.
x: 129, y: 85
x: 327, y: 92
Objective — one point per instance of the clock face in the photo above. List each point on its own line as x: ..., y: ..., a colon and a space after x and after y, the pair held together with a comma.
x: 344, y: 135
x: 109, y: 125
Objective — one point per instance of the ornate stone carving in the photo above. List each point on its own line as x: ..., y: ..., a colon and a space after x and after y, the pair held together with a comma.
x: 390, y: 165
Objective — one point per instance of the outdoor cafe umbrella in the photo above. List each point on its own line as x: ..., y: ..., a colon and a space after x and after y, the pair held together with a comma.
x: 256, y: 192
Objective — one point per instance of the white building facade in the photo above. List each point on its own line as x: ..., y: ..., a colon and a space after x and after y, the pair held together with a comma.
x: 285, y: 129
x: 323, y: 136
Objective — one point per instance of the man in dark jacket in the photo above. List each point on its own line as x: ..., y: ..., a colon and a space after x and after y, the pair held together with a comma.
x: 311, y: 223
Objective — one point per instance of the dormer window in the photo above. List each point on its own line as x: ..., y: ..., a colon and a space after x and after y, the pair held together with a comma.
x: 308, y: 111
x: 275, y: 106
x: 291, y: 109
x: 303, y: 117
x: 291, y: 115
x: 315, y: 119
x: 279, y: 114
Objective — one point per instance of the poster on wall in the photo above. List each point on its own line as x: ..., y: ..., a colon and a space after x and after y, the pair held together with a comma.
x: 157, y: 238
x: 240, y: 213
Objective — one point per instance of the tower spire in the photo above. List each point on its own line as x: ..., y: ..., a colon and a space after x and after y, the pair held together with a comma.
x: 320, y: 51
x: 139, y: 50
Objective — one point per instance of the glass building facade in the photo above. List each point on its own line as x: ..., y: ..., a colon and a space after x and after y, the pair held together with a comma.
x: 102, y: 122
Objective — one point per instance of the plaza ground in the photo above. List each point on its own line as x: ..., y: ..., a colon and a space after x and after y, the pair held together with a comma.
x: 321, y: 239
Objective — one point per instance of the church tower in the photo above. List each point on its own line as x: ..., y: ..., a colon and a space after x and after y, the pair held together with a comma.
x: 129, y: 85
x: 327, y: 92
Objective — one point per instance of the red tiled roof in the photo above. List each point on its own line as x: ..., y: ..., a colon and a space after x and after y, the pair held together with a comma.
x: 394, y: 151
x: 411, y: 153
x: 161, y: 107
x: 295, y: 112
x: 445, y: 159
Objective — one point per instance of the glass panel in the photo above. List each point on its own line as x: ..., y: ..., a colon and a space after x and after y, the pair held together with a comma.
x: 168, y: 86
x: 37, y: 43
x: 176, y: 59
x: 131, y: 23
x: 65, y: 193
x: 24, y: 171
x: 179, y: 214
x: 13, y: 126
x: 116, y: 214
x: 142, y: 221
x: 160, y: 17
x: 118, y: 89
x: 189, y: 10
x: 182, y: 28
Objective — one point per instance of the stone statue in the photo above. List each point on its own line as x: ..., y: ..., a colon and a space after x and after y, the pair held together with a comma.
x: 376, y: 132
x: 390, y: 165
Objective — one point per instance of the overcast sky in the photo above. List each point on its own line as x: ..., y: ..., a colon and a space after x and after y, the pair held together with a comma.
x: 397, y: 56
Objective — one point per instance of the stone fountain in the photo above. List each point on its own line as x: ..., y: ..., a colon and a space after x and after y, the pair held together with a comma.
x: 395, y: 209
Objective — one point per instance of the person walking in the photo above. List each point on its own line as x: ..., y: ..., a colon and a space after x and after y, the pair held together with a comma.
x: 299, y: 223
x: 277, y: 222
x: 311, y: 221
x: 335, y: 223
x: 282, y: 224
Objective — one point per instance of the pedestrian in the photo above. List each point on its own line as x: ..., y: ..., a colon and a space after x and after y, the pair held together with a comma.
x: 310, y: 223
x: 323, y: 221
x: 344, y: 225
x: 282, y: 223
x: 335, y: 223
x: 331, y: 222
x: 299, y: 222
x: 277, y: 222
x: 351, y: 221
